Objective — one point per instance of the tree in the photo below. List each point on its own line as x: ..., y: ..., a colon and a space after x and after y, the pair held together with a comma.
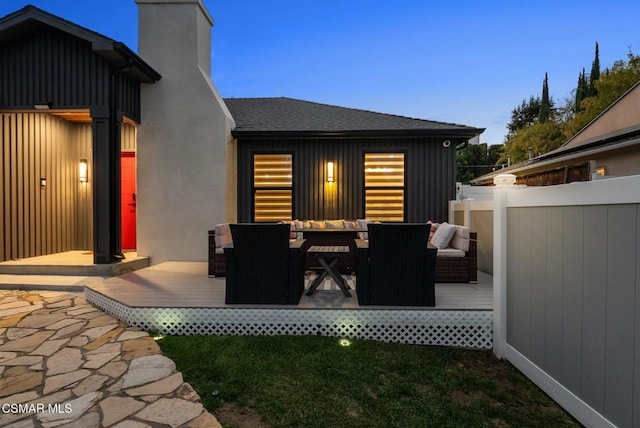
x: 581, y: 90
x: 544, y: 113
x: 532, y: 132
x: 524, y: 115
x: 476, y: 160
x: 592, y: 91
x: 612, y: 84
x: 536, y: 139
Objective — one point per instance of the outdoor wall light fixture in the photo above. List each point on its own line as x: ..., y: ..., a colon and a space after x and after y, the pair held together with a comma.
x: 330, y: 176
x: 83, y: 171
x: 43, y: 182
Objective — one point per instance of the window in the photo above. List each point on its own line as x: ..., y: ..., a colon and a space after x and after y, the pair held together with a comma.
x: 273, y: 188
x: 384, y: 186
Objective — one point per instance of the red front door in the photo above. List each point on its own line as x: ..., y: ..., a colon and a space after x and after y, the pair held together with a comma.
x: 128, y: 199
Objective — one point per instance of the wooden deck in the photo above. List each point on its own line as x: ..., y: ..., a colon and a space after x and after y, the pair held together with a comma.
x: 179, y: 298
x: 186, y: 285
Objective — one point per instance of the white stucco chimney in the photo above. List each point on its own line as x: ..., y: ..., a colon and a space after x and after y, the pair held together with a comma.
x: 183, y: 136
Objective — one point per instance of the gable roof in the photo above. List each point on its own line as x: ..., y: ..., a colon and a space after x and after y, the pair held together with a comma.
x: 30, y: 18
x: 288, y: 117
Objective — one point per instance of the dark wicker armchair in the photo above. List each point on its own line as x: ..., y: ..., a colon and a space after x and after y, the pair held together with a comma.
x: 263, y: 267
x: 396, y: 267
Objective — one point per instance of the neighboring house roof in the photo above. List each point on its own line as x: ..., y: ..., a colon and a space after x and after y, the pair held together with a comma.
x: 266, y: 117
x: 616, y: 127
x: 30, y: 18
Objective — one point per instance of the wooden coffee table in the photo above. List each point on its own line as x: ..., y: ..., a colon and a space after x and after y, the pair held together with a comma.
x: 328, y: 256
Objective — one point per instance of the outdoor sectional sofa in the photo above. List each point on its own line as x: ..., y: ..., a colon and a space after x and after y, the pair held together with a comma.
x: 457, y: 262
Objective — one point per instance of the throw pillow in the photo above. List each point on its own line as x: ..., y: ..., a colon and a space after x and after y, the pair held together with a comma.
x: 443, y: 235
x: 348, y: 224
x: 318, y: 224
x: 362, y: 225
x: 434, y: 227
x: 335, y: 224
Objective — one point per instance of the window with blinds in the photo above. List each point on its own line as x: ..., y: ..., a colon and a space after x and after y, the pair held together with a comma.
x: 384, y: 186
x: 273, y: 187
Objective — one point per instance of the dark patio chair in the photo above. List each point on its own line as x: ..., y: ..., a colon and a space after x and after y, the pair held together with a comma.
x: 262, y: 266
x: 395, y: 266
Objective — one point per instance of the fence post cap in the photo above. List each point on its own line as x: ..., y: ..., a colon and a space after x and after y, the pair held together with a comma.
x: 504, y: 180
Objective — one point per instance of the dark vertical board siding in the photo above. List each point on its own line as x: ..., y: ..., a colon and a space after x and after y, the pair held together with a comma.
x: 429, y: 185
x: 51, y: 66
x: 39, y: 220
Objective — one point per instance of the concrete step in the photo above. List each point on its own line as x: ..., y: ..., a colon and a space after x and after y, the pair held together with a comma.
x: 68, y: 283
x: 47, y: 266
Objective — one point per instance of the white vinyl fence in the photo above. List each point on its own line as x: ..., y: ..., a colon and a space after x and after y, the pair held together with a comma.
x: 566, y: 273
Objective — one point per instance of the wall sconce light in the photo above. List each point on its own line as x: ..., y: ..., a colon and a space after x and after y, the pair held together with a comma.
x: 330, y: 177
x: 83, y: 171
x: 43, y: 182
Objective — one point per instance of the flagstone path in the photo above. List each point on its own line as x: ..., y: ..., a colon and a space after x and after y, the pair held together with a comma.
x: 65, y: 363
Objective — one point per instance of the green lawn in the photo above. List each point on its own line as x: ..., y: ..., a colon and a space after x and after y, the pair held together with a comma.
x: 312, y: 381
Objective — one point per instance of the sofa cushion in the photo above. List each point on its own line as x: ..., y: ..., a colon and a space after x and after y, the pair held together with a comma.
x: 334, y: 224
x: 461, y: 238
x: 349, y: 224
x: 450, y: 252
x: 223, y: 235
x: 434, y: 227
x: 295, y: 231
x: 362, y: 225
x: 443, y: 235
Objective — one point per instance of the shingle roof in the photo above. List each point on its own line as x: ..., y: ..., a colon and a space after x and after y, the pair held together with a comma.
x: 280, y: 116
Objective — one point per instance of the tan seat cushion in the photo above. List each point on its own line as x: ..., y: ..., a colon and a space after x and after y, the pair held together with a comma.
x: 460, y: 240
x: 450, y: 252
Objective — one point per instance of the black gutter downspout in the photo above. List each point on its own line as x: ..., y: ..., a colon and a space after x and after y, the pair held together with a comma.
x: 106, y: 128
x: 116, y: 200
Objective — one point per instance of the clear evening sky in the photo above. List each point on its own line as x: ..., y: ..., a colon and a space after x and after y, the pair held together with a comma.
x: 466, y: 62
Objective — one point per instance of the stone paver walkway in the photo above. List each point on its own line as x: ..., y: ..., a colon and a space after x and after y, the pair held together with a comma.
x: 65, y: 363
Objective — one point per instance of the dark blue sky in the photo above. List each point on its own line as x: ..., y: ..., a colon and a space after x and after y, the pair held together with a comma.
x: 467, y: 62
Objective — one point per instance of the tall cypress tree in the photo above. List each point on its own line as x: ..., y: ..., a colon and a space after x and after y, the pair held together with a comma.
x: 581, y: 90
x: 545, y: 106
x: 595, y: 74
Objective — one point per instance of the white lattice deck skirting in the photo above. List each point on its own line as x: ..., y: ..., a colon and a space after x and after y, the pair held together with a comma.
x: 458, y: 328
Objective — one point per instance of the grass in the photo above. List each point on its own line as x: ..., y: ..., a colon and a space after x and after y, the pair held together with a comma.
x: 312, y: 381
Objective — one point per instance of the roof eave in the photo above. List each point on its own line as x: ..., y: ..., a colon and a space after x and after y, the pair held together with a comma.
x: 143, y: 71
x: 116, y: 53
x: 461, y: 134
x: 566, y: 155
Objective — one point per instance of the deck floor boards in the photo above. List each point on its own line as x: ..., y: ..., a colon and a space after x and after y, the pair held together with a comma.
x: 186, y: 285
